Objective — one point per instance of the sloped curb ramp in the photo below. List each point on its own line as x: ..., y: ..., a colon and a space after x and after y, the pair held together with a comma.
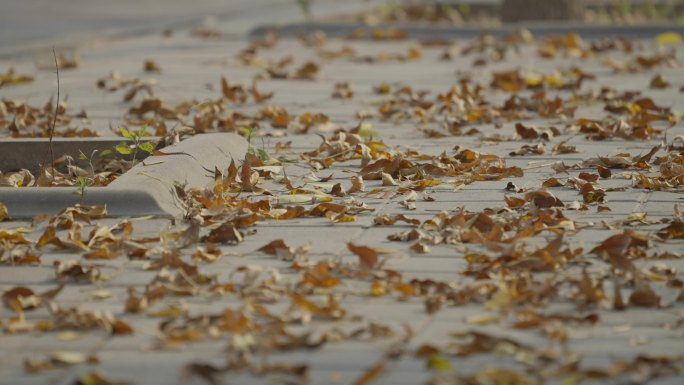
x: 146, y: 189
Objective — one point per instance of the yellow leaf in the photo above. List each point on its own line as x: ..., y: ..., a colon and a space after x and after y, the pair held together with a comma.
x: 534, y: 80
x: 171, y: 311
x: 440, y: 363
x: 573, y: 379
x: 4, y: 213
x: 427, y: 183
x: 366, y: 130
x: 666, y: 38
x: 482, y: 319
x: 344, y: 218
x: 303, y: 198
x: 378, y: 288
x: 505, y: 376
x: 308, y: 191
x: 10, y: 77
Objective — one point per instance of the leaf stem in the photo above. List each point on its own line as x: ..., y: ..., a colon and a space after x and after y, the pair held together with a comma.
x: 54, y: 118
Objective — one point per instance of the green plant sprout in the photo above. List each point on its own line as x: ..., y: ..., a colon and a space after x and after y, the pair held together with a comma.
x: 305, y: 8
x: 125, y: 148
x: 249, y: 134
x: 463, y: 8
x: 625, y: 7
x: 83, y: 183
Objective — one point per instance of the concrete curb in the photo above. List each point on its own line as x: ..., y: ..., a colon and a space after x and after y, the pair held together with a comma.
x: 415, y: 31
x: 146, y: 189
x: 30, y: 153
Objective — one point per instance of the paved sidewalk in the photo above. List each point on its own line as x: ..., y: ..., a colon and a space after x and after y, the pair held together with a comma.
x: 500, y: 287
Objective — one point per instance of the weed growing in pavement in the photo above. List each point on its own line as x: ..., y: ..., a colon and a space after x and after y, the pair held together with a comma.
x: 82, y: 183
x: 124, y: 148
x: 249, y: 135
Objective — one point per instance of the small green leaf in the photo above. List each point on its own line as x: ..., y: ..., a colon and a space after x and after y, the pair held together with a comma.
x: 141, y: 132
x: 123, y: 148
x: 248, y: 132
x: 263, y: 155
x: 81, y: 155
x: 146, y: 146
x: 83, y: 182
x: 106, y: 152
x: 127, y: 134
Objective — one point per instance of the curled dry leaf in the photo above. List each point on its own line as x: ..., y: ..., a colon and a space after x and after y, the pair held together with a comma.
x: 59, y: 359
x: 371, y: 374
x: 675, y: 230
x: 75, y: 272
x: 543, y: 199
x: 225, y: 233
x: 386, y: 220
x: 23, y: 298
x: 368, y: 257
x: 614, y: 249
x: 272, y: 247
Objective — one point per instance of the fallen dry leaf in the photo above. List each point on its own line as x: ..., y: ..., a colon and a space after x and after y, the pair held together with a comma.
x: 368, y: 257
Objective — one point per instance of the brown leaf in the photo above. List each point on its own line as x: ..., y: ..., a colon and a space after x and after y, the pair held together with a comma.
x: 658, y: 82
x: 74, y: 271
x: 272, y: 247
x: 338, y: 191
x: 371, y: 374
x: 368, y: 257
x: 675, y: 230
x: 543, y: 199
x: 209, y: 254
x: 20, y: 298
x: 48, y: 236
x: 420, y: 248
x: 121, y: 328
x: 135, y: 304
x: 151, y: 66
x: 552, y: 182
x: 604, y: 172
x: 514, y: 202
x: 308, y: 71
x: 643, y: 295
x: 226, y: 233
x: 258, y: 96
x: 526, y: 132
x: 386, y: 220
x: 614, y: 249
